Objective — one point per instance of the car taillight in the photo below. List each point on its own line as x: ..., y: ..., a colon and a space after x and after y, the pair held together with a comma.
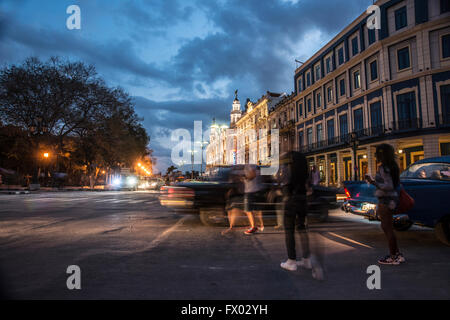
x: 180, y: 192
x: 347, y: 193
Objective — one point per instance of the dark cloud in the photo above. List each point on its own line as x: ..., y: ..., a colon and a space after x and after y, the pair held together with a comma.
x: 251, y: 46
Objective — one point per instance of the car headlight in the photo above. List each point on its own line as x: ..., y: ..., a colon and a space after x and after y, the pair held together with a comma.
x: 131, y: 181
x: 368, y: 206
x: 117, y: 182
x: 153, y: 184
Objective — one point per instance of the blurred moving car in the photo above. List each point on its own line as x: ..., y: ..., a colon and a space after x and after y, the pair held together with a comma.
x: 155, y: 184
x: 208, y: 198
x: 427, y: 181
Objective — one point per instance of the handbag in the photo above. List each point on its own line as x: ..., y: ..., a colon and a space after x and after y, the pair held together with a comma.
x: 405, y: 202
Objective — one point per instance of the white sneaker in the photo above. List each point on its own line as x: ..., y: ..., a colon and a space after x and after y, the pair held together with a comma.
x: 304, y: 263
x: 290, y: 265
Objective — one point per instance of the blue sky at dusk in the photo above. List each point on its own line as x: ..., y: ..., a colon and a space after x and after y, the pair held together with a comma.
x: 180, y: 60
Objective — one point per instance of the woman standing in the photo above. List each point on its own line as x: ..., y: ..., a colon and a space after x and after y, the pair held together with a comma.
x: 387, y: 181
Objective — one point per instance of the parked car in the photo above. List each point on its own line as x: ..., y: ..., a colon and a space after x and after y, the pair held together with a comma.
x: 208, y: 198
x: 427, y: 181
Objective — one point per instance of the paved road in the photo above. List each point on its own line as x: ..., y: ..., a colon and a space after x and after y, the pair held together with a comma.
x: 129, y: 247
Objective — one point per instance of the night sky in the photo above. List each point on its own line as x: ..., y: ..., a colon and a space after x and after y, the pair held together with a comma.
x: 180, y: 60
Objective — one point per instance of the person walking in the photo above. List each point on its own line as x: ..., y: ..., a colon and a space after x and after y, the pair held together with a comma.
x: 387, y: 181
x: 294, y: 190
x: 253, y: 197
x: 235, y: 197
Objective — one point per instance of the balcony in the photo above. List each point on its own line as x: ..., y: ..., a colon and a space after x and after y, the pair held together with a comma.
x: 406, y: 125
x: 444, y: 120
x: 409, y: 125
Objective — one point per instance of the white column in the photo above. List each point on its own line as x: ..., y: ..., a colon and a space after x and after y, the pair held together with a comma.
x: 339, y: 168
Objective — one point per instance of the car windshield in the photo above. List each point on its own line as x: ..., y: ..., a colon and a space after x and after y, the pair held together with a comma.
x: 433, y: 171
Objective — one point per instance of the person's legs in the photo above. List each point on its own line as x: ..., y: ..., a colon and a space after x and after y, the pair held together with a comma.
x: 232, y: 213
x: 289, y: 231
x: 258, y: 215
x: 387, y: 225
x: 251, y: 220
x: 301, y: 210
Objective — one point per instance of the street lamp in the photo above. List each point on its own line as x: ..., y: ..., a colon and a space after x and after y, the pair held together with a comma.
x: 46, y: 155
x: 192, y: 162
x: 354, y: 143
x: 202, y: 146
x: 36, y: 130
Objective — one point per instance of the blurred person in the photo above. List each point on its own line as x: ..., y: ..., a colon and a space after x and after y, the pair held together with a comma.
x: 253, y: 196
x: 235, y: 198
x: 387, y: 181
x: 315, y: 176
x: 281, y: 178
x: 294, y: 189
x: 422, y: 174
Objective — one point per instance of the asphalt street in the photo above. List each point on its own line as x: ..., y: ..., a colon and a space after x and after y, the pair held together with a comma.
x: 129, y: 247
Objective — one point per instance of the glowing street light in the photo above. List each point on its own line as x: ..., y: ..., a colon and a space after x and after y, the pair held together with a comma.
x: 46, y: 155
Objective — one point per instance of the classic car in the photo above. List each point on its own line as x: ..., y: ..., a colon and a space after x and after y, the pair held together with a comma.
x: 427, y: 181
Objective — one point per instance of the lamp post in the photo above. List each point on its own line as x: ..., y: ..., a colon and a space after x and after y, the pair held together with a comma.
x: 192, y: 163
x: 354, y: 143
x: 36, y: 130
x: 202, y: 147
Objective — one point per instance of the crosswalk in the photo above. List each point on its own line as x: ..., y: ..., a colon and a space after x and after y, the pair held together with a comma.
x: 126, y: 201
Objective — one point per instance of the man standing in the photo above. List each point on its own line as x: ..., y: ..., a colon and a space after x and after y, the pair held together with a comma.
x: 295, y: 188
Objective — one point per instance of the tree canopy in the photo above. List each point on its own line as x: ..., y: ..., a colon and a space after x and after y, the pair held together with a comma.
x: 67, y: 106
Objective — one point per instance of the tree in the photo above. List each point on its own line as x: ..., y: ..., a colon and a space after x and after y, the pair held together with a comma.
x: 67, y: 105
x: 170, y: 170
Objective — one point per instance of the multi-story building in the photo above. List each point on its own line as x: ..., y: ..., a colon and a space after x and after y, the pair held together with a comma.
x: 252, y: 130
x: 371, y: 86
x: 247, y: 139
x: 216, y: 152
x: 282, y: 117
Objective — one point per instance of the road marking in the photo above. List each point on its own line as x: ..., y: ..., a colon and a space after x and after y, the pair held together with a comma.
x: 164, y: 235
x: 350, y: 240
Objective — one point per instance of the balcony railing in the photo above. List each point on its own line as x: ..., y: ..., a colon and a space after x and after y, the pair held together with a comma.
x: 406, y: 125
x: 444, y: 120
x: 370, y: 133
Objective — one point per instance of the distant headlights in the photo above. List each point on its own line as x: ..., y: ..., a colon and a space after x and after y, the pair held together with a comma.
x: 117, y: 182
x: 131, y: 181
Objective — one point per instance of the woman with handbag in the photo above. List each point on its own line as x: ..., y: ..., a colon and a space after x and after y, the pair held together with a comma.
x: 387, y: 181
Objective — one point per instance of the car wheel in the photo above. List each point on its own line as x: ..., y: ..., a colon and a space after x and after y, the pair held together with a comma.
x: 402, y: 226
x: 213, y: 216
x: 442, y: 231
